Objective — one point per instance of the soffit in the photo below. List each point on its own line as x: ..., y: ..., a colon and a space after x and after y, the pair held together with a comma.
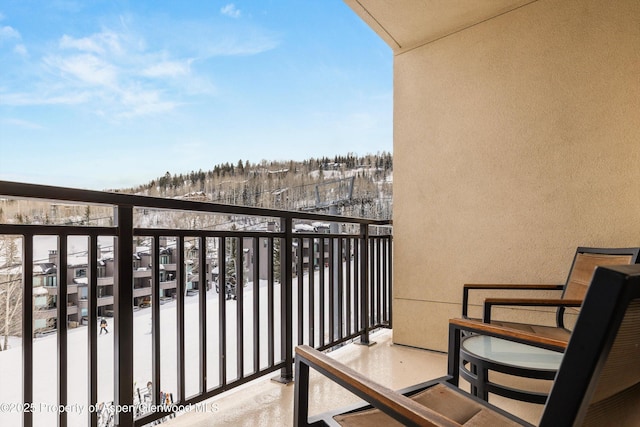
x: 404, y: 24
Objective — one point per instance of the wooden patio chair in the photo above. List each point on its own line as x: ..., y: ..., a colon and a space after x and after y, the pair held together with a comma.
x: 572, y: 294
x: 598, y: 383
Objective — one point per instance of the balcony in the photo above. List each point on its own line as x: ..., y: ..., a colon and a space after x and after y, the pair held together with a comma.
x: 494, y: 177
x: 196, y: 345
x: 105, y: 281
x: 141, y: 273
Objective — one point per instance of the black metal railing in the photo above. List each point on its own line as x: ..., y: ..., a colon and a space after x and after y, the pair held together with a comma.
x: 242, y: 297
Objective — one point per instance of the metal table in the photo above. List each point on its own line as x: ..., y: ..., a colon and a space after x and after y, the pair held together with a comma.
x: 484, y: 353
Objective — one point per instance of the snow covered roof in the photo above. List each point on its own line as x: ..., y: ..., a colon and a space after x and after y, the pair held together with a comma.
x: 143, y: 250
x: 43, y: 268
x: 195, y: 195
x: 107, y: 256
x: 298, y: 228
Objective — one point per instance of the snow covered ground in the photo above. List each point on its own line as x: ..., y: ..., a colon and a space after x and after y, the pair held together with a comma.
x: 45, y: 355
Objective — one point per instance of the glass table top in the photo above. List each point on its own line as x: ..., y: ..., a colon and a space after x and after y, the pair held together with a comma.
x: 511, y: 353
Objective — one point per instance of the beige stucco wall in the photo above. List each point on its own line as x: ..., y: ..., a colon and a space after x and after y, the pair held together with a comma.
x: 515, y: 141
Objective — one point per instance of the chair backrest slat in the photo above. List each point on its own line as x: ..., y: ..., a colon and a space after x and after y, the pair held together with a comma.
x: 616, y: 400
x: 584, y: 266
x: 598, y: 382
x: 622, y: 368
x: 621, y: 409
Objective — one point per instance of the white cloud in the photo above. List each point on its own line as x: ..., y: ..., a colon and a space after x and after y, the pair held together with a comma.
x: 235, y: 46
x: 85, y: 44
x: 168, y: 69
x: 99, y: 43
x: 18, y: 99
x: 86, y: 68
x: 21, y: 50
x: 120, y: 73
x: 199, y: 86
x: 143, y: 102
x: 108, y: 68
x: 21, y: 123
x: 8, y: 32
x: 230, y: 10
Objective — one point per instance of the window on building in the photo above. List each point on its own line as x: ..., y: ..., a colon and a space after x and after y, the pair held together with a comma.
x: 40, y: 301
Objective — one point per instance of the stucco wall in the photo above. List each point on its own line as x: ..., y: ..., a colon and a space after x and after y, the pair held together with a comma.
x: 515, y: 141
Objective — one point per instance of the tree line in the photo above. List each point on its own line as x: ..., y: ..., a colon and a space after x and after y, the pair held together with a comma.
x: 290, y: 185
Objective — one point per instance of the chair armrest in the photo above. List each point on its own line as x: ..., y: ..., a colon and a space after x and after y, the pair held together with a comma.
x: 391, y: 402
x: 511, y: 334
x: 541, y: 286
x: 488, y: 286
x: 526, y: 302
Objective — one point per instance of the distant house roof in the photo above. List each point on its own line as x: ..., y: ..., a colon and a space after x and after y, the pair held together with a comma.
x: 44, y: 268
x: 195, y: 195
x: 143, y: 250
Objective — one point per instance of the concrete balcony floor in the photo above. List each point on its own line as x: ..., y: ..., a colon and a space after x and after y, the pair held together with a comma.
x: 267, y: 403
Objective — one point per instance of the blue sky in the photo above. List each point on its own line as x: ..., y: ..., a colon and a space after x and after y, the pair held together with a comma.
x: 110, y: 93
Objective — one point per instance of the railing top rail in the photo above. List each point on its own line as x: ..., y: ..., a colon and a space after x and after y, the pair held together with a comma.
x: 52, y: 193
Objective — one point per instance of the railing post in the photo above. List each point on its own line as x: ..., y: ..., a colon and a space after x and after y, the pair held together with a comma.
x: 180, y: 312
x: 92, y: 328
x: 222, y: 310
x: 205, y: 276
x: 389, y: 262
x: 286, y: 303
x: 27, y: 328
x: 155, y: 322
x: 364, y: 285
x: 123, y: 323
x: 62, y: 329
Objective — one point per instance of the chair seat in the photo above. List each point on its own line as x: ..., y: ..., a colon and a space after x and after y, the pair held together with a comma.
x: 448, y: 401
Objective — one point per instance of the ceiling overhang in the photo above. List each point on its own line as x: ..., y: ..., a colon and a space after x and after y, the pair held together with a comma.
x: 406, y: 24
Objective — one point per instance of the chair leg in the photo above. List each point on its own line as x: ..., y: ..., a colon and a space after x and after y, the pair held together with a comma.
x: 480, y: 388
x: 474, y: 387
x: 453, y: 361
x: 301, y: 395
